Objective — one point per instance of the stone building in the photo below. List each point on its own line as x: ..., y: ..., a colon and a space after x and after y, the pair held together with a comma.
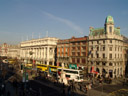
x: 106, y: 48
x: 39, y: 51
x: 13, y: 51
x: 4, y: 50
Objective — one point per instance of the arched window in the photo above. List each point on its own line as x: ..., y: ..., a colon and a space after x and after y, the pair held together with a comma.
x: 110, y: 29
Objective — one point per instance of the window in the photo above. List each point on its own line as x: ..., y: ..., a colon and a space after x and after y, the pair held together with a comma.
x: 91, y: 55
x: 78, y: 48
x: 84, y: 47
x: 110, y: 41
x: 92, y: 48
x: 97, y: 55
x: 78, y: 53
x: 83, y: 53
x: 84, y: 43
x: 103, y: 55
x: 110, y: 64
x: 97, y: 63
x: 92, y: 42
x: 103, y: 41
x: 97, y: 48
x: 73, y: 48
x: 78, y: 60
x: 110, y: 56
x: 73, y: 53
x: 110, y: 48
x: 104, y: 63
x: 83, y: 60
x: 73, y: 60
x: 97, y: 42
x: 103, y: 48
x: 110, y: 29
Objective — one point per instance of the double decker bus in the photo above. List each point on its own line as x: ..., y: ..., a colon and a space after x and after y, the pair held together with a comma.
x: 71, y: 74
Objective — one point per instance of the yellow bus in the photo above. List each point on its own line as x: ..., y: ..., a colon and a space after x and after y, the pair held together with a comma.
x: 28, y: 65
x: 53, y: 68
x: 11, y: 61
x: 42, y: 67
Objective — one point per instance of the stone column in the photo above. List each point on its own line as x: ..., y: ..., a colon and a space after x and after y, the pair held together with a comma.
x: 47, y: 55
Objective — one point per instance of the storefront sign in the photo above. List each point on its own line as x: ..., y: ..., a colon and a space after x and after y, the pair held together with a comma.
x: 73, y: 66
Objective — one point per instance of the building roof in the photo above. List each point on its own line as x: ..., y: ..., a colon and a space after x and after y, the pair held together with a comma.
x: 97, y: 31
x: 101, y: 31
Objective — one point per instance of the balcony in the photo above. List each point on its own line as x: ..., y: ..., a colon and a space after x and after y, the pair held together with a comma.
x: 104, y: 59
x: 91, y: 59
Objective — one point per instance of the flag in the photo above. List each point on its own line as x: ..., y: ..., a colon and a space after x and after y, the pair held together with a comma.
x: 89, y: 52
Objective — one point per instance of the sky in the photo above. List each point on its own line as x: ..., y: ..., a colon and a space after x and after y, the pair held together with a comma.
x: 22, y: 20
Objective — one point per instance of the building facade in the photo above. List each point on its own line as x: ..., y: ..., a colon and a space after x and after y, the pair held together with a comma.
x: 14, y: 51
x: 106, y: 48
x: 63, y: 52
x: 72, y: 51
x: 39, y: 51
x: 4, y: 50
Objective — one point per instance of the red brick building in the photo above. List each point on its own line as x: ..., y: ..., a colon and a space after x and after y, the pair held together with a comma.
x: 72, y: 51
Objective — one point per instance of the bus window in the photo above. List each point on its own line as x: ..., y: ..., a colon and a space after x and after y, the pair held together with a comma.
x: 68, y: 76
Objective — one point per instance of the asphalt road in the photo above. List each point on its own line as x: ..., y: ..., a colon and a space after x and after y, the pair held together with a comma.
x: 46, y: 88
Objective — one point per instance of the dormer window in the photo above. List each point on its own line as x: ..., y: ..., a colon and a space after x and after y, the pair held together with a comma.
x: 110, y: 29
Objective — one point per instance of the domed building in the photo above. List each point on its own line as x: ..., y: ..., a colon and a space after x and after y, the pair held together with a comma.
x: 106, y: 50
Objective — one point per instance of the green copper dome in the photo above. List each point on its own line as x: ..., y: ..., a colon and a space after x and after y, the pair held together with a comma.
x: 109, y: 20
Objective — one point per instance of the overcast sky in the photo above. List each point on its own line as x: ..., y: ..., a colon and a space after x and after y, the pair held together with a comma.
x: 26, y: 19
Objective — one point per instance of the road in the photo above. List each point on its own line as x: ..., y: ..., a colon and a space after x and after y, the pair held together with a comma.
x: 48, y: 88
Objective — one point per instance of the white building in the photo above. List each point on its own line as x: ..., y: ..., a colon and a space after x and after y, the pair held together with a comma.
x: 106, y: 48
x: 39, y: 51
x: 4, y: 50
x: 13, y: 51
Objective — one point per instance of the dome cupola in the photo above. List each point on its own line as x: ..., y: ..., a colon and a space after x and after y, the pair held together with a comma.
x: 109, y: 20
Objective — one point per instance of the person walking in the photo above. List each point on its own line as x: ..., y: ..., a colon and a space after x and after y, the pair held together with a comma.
x: 86, y: 89
x: 80, y: 87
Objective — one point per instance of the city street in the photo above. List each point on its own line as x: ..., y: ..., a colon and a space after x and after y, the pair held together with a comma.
x: 45, y: 87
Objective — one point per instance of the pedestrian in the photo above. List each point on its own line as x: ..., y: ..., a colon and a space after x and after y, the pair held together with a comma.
x: 89, y: 86
x: 100, y: 80
x: 80, y: 87
x: 86, y: 89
